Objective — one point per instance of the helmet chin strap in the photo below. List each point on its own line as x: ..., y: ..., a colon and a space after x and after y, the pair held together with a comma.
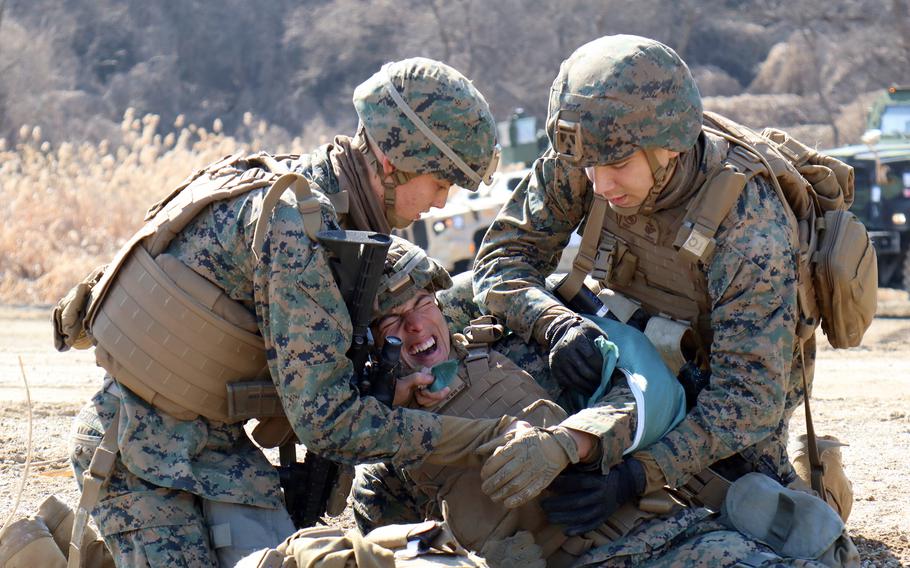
x: 661, y: 175
x: 389, y: 182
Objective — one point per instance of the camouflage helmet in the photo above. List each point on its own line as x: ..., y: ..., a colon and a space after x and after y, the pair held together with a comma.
x: 407, y: 270
x: 428, y: 118
x: 620, y: 93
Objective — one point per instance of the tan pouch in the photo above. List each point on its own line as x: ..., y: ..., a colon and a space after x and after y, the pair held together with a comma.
x: 846, y: 278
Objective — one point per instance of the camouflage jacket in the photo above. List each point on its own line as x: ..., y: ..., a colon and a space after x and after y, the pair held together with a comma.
x: 751, y: 283
x: 306, y: 329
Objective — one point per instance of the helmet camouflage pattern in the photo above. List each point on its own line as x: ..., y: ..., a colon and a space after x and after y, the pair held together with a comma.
x: 407, y: 270
x: 454, y: 134
x: 620, y: 93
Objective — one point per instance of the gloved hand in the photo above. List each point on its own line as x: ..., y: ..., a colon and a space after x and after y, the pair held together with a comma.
x: 583, y: 501
x: 529, y: 461
x: 576, y: 363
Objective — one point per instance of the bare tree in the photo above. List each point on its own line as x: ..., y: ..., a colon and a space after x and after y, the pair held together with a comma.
x: 443, y: 31
x: 3, y: 71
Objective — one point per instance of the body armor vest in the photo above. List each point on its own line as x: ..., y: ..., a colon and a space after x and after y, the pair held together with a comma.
x: 167, y: 333
x: 645, y: 265
x: 649, y: 258
x: 491, y: 389
x: 489, y: 385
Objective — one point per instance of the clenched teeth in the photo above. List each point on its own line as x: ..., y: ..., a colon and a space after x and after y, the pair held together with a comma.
x: 425, y: 345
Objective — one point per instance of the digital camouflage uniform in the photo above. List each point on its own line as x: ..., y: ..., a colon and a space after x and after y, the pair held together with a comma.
x: 750, y: 280
x: 458, y: 306
x: 485, y: 384
x: 171, y: 475
x: 384, y: 494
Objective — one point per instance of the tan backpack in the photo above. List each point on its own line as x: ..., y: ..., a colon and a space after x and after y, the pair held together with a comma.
x: 838, y: 272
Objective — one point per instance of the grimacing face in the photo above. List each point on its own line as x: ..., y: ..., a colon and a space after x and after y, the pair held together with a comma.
x: 422, y: 328
x: 626, y: 183
x: 419, y: 194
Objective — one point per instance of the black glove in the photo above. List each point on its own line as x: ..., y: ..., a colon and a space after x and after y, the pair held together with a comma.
x: 576, y: 363
x: 583, y: 501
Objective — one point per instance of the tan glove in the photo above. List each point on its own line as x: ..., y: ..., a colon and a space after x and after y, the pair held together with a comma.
x: 516, y: 551
x: 462, y: 439
x: 70, y: 310
x: 528, y: 462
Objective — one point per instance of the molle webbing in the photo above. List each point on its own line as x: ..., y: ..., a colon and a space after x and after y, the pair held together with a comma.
x: 642, y: 264
x: 159, y: 342
x: 164, y: 331
x: 501, y: 389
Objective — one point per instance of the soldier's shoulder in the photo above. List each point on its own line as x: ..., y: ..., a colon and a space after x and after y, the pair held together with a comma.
x: 758, y: 227
x: 316, y: 166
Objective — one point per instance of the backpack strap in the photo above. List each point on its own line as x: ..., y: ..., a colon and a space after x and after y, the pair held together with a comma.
x: 816, y: 467
x: 93, y: 480
x: 307, y: 204
x: 695, y: 237
x: 480, y: 334
x: 585, y: 258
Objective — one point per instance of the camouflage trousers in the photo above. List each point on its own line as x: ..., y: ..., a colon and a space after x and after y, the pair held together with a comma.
x: 146, y: 525
x: 690, y: 537
x: 381, y: 496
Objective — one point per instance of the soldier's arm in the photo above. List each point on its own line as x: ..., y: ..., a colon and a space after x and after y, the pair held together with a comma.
x: 752, y: 284
x: 307, y: 331
x: 524, y: 243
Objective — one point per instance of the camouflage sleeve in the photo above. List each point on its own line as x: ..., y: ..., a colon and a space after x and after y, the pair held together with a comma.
x: 307, y: 331
x: 524, y: 243
x: 752, y: 285
x: 612, y: 420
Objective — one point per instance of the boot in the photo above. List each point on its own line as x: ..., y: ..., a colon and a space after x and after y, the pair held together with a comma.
x: 59, y: 519
x: 28, y: 543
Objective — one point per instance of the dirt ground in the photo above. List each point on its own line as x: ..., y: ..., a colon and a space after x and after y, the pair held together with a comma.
x: 862, y: 396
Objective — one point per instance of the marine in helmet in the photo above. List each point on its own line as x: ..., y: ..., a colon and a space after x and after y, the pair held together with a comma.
x: 625, y: 125
x: 184, y: 484
x: 638, y: 402
x: 474, y: 379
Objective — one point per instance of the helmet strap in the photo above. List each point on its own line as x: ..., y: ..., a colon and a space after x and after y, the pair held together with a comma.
x: 389, y: 182
x: 661, y: 175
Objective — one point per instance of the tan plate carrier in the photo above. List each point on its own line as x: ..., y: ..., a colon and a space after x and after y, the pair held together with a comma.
x: 165, y: 332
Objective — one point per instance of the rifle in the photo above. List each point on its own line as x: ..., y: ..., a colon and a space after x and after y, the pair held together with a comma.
x: 357, y: 259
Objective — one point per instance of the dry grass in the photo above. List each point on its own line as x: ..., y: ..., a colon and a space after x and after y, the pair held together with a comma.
x: 67, y: 209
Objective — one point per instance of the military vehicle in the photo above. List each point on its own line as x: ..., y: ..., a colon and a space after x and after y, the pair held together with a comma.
x: 882, y: 164
x: 453, y: 234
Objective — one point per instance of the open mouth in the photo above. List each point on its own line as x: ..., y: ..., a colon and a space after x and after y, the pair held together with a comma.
x: 423, y: 349
x: 618, y: 199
